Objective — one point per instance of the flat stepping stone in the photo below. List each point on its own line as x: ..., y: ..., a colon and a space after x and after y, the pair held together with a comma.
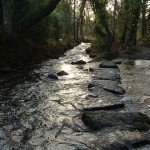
x: 62, y: 73
x: 106, y: 74
x: 117, y: 61
x: 110, y: 86
x: 107, y: 107
x: 80, y: 62
x: 98, y: 120
x: 108, y: 64
x: 140, y: 143
x: 53, y: 76
x: 91, y: 69
x: 128, y: 145
x: 115, y: 89
x: 91, y: 85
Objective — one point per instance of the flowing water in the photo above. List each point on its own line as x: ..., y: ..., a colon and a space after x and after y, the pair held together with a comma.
x: 44, y: 114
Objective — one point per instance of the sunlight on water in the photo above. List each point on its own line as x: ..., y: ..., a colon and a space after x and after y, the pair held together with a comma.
x: 138, y: 63
x: 68, y: 69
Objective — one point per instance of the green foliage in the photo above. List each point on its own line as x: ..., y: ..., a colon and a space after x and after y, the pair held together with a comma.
x: 47, y: 30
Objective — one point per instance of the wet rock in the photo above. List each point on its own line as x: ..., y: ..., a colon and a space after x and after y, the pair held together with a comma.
x: 117, y: 61
x: 107, y: 107
x: 91, y: 85
x: 108, y: 64
x: 130, y: 62
x: 6, y: 70
x: 62, y: 73
x: 127, y: 145
x: 107, y: 74
x: 140, y: 143
x: 80, y: 67
x: 80, y: 62
x: 91, y: 69
x: 115, y: 89
x: 116, y: 139
x: 116, y: 146
x: 97, y: 120
x: 52, y: 76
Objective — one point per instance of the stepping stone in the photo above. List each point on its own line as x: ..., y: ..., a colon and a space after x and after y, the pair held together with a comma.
x: 80, y: 62
x: 107, y: 107
x: 108, y: 64
x: 62, y: 73
x: 117, y: 61
x: 107, y: 74
x: 52, y: 76
x: 98, y: 120
x: 140, y: 143
x: 115, y: 90
x: 91, y: 85
x: 91, y: 69
x: 122, y: 140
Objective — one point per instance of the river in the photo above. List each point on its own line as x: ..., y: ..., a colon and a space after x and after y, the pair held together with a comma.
x: 45, y: 114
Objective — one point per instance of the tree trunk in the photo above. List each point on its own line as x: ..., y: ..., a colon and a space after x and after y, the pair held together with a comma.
x: 1, y: 13
x: 31, y: 20
x: 74, y: 20
x: 144, y: 21
x: 81, y: 19
x: 100, y: 7
x: 114, y: 24
x: 124, y: 34
x: 8, y: 13
x: 134, y: 23
x: 125, y: 29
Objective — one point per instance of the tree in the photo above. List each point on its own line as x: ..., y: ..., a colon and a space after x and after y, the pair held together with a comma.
x: 20, y: 23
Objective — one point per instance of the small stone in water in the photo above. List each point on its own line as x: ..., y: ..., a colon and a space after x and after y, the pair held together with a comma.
x: 80, y: 62
x: 62, y: 73
x: 52, y: 76
x: 91, y: 85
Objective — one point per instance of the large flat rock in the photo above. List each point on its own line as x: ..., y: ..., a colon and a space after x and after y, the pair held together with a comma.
x: 108, y: 64
x: 106, y: 74
x: 110, y: 86
x: 97, y: 120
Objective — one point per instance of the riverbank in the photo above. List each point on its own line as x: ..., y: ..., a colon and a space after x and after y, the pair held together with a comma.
x: 19, y: 52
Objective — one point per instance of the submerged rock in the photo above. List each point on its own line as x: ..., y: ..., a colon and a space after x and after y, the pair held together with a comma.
x: 80, y: 62
x: 62, y: 73
x: 107, y: 107
x: 52, y: 76
x: 108, y: 64
x: 97, y: 120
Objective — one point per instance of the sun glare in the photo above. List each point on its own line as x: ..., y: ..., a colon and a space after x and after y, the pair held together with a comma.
x: 66, y: 68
